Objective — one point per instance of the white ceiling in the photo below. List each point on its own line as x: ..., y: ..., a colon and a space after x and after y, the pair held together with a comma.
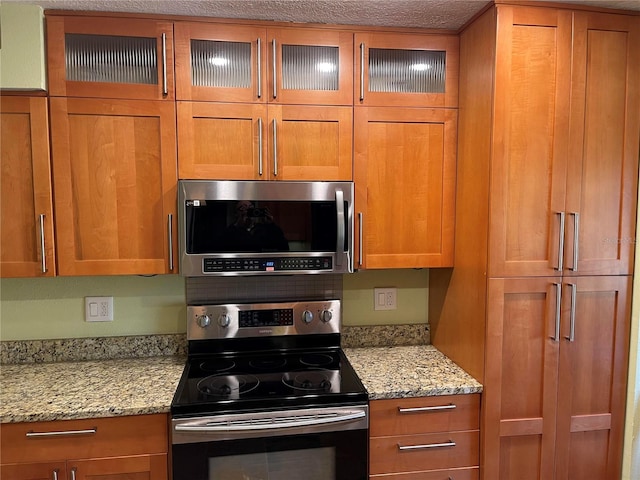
x: 448, y: 14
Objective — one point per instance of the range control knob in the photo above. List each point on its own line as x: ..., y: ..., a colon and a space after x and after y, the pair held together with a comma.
x: 307, y: 316
x: 326, y: 316
x: 203, y: 320
x: 224, y: 320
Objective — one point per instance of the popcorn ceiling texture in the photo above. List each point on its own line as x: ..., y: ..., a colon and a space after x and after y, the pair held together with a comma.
x: 447, y: 14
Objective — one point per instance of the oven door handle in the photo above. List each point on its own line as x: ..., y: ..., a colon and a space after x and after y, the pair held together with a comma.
x: 257, y: 424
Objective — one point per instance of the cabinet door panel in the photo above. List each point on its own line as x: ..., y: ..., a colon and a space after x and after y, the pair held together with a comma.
x: 26, y: 188
x: 605, y: 136
x: 33, y: 471
x: 592, y: 376
x: 114, y: 168
x: 312, y: 143
x: 521, y: 376
x: 405, y: 182
x: 529, y: 144
x: 222, y: 141
x: 143, y: 467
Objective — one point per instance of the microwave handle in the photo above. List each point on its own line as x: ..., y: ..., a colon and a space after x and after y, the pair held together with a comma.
x: 340, y: 226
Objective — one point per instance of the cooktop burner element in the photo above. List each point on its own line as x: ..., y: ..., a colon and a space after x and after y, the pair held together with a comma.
x: 316, y: 360
x: 268, y: 363
x: 220, y: 365
x: 227, y: 386
x: 309, y: 380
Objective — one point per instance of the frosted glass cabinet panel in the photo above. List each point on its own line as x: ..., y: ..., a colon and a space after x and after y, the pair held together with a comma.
x: 240, y: 63
x: 406, y: 70
x: 110, y: 58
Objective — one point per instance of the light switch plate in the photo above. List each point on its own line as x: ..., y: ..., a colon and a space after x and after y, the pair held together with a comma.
x: 98, y: 309
x: 385, y: 299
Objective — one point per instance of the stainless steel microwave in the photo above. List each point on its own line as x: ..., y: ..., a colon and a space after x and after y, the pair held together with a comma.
x: 264, y: 227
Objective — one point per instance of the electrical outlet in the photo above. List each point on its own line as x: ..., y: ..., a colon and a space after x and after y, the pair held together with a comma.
x: 98, y: 309
x: 385, y: 299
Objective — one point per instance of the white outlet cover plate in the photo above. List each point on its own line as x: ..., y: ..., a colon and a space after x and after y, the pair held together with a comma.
x: 98, y: 309
x: 385, y: 299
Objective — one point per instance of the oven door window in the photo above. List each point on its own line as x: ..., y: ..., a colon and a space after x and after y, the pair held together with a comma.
x: 325, y: 456
x: 260, y: 226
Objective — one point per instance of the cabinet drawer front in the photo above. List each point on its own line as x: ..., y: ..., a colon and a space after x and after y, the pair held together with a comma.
x: 406, y: 453
x: 449, y: 474
x: 115, y: 436
x: 425, y: 414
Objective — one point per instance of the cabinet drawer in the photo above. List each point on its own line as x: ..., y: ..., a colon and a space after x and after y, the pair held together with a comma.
x: 426, y: 452
x: 424, y: 415
x: 114, y: 436
x: 449, y: 474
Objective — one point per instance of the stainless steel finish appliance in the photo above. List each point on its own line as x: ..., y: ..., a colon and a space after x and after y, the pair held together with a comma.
x: 265, y: 227
x: 268, y: 394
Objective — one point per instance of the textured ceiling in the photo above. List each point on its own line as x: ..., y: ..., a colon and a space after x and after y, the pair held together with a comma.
x: 449, y: 14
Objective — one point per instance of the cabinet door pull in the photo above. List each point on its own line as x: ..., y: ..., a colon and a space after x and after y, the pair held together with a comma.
x: 259, y: 69
x: 73, y: 473
x: 561, y: 242
x: 62, y: 433
x: 274, y: 50
x: 572, y: 316
x: 556, y: 334
x: 275, y: 147
x: 165, y: 88
x: 362, y: 71
x: 576, y: 241
x: 170, y: 233
x: 435, y: 408
x: 42, y: 247
x: 425, y: 446
x: 55, y: 475
x: 260, y: 146
x: 360, y: 236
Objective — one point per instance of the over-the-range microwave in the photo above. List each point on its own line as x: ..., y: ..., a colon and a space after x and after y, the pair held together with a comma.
x: 265, y: 227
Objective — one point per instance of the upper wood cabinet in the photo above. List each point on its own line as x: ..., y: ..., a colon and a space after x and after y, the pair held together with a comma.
x: 405, y: 175
x: 256, y: 64
x: 26, y: 229
x: 567, y: 126
x: 406, y: 70
x: 115, y: 179
x: 110, y: 57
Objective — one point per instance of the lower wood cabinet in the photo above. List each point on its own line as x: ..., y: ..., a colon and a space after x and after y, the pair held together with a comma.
x: 427, y: 438
x: 117, y: 448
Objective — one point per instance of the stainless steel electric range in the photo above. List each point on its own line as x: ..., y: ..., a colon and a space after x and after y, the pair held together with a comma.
x: 267, y: 393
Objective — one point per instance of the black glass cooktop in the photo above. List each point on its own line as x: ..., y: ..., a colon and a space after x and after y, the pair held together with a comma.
x: 261, y: 380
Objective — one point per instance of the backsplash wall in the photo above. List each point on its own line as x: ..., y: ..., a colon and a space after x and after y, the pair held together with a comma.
x: 52, y: 308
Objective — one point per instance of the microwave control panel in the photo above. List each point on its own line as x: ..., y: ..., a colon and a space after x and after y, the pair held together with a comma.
x: 284, y: 264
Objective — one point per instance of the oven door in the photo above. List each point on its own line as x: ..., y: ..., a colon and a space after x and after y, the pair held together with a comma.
x: 315, y: 444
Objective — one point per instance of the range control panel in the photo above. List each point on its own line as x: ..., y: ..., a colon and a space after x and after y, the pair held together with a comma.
x: 278, y: 264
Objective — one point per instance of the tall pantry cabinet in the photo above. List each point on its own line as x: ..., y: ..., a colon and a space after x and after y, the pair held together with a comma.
x: 537, y: 305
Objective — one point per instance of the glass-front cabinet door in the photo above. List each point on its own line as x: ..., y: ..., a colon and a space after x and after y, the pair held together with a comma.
x: 110, y: 57
x: 406, y: 70
x: 251, y: 64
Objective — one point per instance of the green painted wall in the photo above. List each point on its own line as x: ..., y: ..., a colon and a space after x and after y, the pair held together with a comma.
x: 49, y: 308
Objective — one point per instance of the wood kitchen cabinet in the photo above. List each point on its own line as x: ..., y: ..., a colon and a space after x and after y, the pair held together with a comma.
x: 405, y: 174
x: 26, y: 242
x: 109, y: 57
x: 118, y: 448
x: 115, y: 178
x: 425, y: 438
x: 406, y: 70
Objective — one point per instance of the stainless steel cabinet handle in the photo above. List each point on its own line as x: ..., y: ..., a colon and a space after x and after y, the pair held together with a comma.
x: 572, y: 316
x: 43, y: 262
x: 275, y: 147
x: 435, y: 408
x: 55, y: 475
x: 556, y: 335
x: 274, y: 76
x: 576, y: 242
x: 362, y: 71
x: 165, y: 88
x: 73, y: 473
x: 561, y: 242
x: 170, y: 233
x: 260, y: 147
x: 340, y: 227
x: 360, y: 237
x: 259, y: 69
x: 450, y: 443
x: 62, y: 433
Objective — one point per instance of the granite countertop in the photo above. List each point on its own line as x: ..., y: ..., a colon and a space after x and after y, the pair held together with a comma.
x: 106, y: 388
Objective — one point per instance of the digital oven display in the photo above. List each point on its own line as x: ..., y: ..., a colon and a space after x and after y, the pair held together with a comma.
x: 266, y: 318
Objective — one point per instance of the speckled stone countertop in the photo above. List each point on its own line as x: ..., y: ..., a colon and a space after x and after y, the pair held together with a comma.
x: 409, y: 371
x: 97, y: 388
